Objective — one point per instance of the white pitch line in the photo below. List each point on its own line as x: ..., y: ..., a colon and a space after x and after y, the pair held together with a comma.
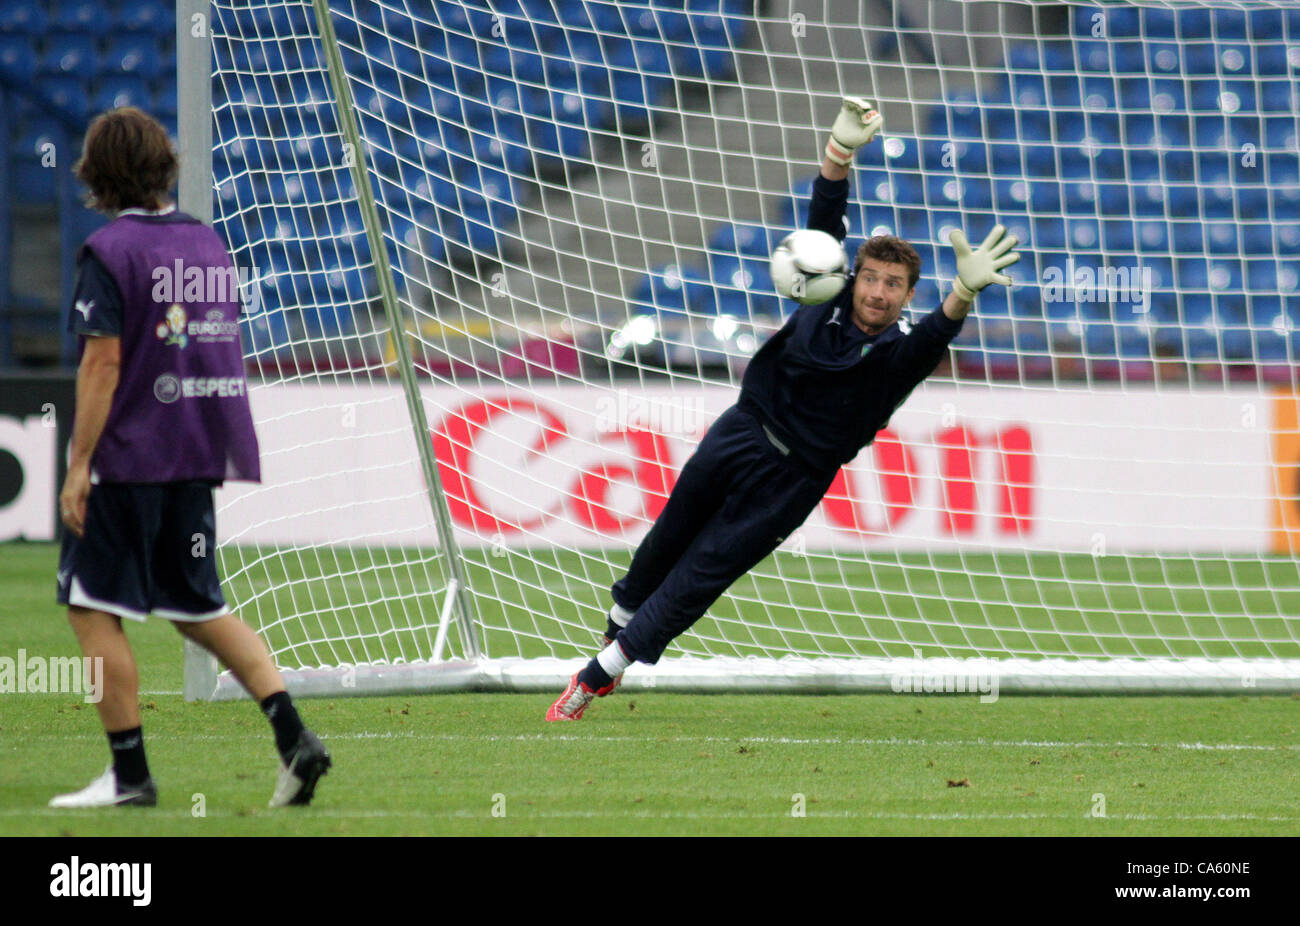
x: 465, y: 814
x: 596, y: 739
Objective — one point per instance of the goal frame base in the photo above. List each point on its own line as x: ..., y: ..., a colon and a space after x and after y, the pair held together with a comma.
x: 978, y: 677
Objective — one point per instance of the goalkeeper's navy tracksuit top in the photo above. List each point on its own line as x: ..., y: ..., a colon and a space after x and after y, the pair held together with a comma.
x: 822, y: 384
x: 814, y: 395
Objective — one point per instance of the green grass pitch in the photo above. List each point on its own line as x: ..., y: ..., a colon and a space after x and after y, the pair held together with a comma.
x: 479, y: 764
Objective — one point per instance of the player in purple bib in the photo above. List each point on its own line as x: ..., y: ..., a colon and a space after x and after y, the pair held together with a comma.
x: 162, y: 418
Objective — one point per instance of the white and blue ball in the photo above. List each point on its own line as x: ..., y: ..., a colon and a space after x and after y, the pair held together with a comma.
x: 809, y: 267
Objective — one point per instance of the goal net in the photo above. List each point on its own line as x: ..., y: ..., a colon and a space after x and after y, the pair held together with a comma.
x: 507, y: 260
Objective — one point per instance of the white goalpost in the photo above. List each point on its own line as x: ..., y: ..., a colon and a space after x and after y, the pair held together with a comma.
x: 507, y: 260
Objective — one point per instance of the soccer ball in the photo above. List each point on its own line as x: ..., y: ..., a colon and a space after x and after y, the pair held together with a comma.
x: 809, y: 267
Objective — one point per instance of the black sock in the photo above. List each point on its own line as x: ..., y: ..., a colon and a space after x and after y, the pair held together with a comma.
x: 129, y: 763
x: 595, y: 677
x: 285, y: 721
x: 611, y: 629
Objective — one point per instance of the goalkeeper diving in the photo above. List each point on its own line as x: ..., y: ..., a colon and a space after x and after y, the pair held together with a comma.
x: 813, y: 396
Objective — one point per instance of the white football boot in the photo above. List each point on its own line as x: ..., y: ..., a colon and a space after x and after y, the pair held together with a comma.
x: 105, y: 791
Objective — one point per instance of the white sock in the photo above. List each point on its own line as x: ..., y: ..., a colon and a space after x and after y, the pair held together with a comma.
x: 612, y: 660
x: 620, y: 616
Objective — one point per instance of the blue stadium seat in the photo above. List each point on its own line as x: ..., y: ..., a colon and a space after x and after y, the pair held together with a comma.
x: 1080, y: 197
x: 1277, y: 96
x: 1235, y: 60
x: 1199, y: 58
x: 324, y: 299
x: 794, y: 207
x: 1103, y: 127
x: 1221, y: 238
x: 1163, y: 58
x: 126, y: 90
x: 1063, y: 91
x: 155, y: 18
x: 663, y: 289
x: 672, y: 19
x: 960, y: 119
x: 1238, y: 96
x: 701, y: 296
x: 550, y: 139
x: 1117, y: 236
x: 1280, y: 132
x: 71, y: 55
x: 943, y: 221
x: 1265, y: 24
x: 902, y: 152
x: 1151, y: 235
x: 1133, y: 327
x: 1192, y: 274
x: 1214, y: 167
x: 1187, y: 237
x: 1076, y: 162
x: 1286, y: 238
x: 1270, y: 59
x: 1011, y: 195
x: 743, y: 287
x: 17, y: 57
x: 23, y: 19
x: 1272, y: 327
x: 1161, y: 270
x: 1230, y: 24
x: 1285, y: 202
x: 975, y: 193
x: 880, y: 186
x: 1149, y: 198
x: 1225, y: 275
x: 704, y: 49
x: 1167, y: 96
x: 524, y: 64
x: 1083, y: 233
x: 1006, y: 159
x: 943, y: 191
x: 265, y: 332
x: 514, y: 158
x: 913, y: 224
x: 1204, y: 96
x: 1134, y: 96
x: 1000, y: 124
x: 1195, y: 23
x: 639, y: 23
x: 742, y: 239
x: 67, y: 92
x: 1202, y: 329
x: 1262, y: 275
x: 77, y: 16
x: 904, y: 187
x: 1093, y: 55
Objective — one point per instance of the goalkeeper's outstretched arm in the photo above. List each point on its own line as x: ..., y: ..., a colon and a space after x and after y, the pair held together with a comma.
x: 857, y: 123
x: 978, y: 268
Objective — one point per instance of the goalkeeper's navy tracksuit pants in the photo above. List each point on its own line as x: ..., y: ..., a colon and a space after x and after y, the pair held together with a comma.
x: 737, y: 498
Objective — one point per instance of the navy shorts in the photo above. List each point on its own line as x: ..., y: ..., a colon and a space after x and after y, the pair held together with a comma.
x: 147, y: 549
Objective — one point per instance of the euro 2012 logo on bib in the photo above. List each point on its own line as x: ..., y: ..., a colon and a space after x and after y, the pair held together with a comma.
x: 172, y: 331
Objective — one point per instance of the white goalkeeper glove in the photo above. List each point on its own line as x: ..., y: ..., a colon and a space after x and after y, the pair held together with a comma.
x: 856, y: 125
x: 977, y: 269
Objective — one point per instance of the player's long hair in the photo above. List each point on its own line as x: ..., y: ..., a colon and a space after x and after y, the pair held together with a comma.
x: 892, y: 250
x: 127, y: 161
